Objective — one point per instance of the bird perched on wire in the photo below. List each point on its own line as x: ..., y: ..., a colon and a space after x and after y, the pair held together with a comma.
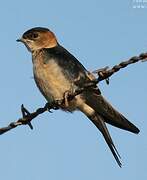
x: 59, y: 74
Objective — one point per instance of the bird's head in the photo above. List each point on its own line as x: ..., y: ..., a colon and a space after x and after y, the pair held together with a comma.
x: 38, y: 38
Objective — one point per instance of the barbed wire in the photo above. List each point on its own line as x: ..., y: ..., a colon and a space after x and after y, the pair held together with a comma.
x: 103, y: 74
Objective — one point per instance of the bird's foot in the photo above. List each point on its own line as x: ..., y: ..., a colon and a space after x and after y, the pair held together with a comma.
x: 57, y: 103
x: 67, y: 96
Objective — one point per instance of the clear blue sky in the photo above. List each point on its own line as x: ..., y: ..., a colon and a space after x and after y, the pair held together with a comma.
x: 67, y: 146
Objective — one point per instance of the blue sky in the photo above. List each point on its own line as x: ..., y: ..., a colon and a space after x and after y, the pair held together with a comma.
x: 62, y: 145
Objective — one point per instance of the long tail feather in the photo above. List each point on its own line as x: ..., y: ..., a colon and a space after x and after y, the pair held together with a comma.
x: 99, y: 123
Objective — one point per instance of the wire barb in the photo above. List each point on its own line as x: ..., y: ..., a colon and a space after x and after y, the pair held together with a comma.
x: 26, y: 113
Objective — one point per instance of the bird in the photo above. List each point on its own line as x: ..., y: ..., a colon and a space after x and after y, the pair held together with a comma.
x: 58, y: 74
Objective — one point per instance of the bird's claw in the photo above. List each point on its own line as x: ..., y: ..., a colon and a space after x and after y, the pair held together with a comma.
x: 62, y: 102
x: 57, y: 104
x: 67, y: 96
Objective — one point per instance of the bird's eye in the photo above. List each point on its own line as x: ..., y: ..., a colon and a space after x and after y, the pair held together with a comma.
x: 31, y: 36
x: 34, y: 35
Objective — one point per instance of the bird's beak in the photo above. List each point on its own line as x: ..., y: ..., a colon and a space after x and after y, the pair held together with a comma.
x: 20, y: 40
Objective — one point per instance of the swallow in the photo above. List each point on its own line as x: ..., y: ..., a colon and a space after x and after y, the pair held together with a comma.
x: 57, y: 72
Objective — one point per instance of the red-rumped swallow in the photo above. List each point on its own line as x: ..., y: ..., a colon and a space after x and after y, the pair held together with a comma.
x: 56, y: 72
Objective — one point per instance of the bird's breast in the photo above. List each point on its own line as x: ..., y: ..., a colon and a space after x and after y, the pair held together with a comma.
x: 50, y: 79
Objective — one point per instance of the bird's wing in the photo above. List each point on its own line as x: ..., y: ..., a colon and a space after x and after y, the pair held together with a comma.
x: 72, y: 69
x: 95, y: 100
